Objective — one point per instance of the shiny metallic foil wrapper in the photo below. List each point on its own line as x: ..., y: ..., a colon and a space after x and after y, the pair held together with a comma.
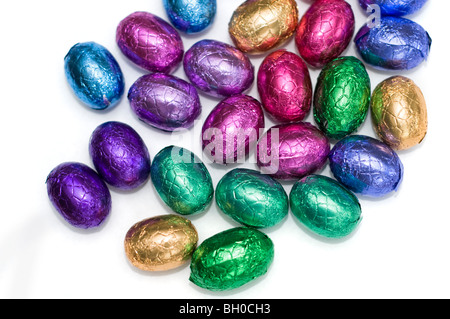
x: 396, y: 8
x: 191, y: 16
x: 160, y: 243
x: 399, y: 112
x: 260, y: 25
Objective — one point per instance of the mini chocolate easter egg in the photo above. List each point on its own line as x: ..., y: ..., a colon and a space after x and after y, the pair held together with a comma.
x: 393, y: 44
x: 150, y: 42
x: 284, y: 85
x: 94, y: 75
x: 164, y: 101
x: 160, y: 243
x: 397, y: 8
x: 251, y: 198
x: 324, y: 206
x: 260, y: 25
x: 232, y: 129
x: 325, y: 31
x: 341, y: 97
x: 191, y: 16
x: 120, y: 156
x: 399, y: 113
x: 182, y: 180
x: 366, y: 166
x: 218, y: 69
x: 231, y: 259
x: 292, y: 151
x: 79, y: 194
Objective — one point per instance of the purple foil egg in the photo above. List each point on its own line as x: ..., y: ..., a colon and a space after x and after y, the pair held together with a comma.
x: 284, y: 85
x: 292, y: 151
x: 164, y: 101
x: 120, y: 156
x: 218, y: 69
x: 79, y: 195
x: 232, y: 128
x: 150, y: 42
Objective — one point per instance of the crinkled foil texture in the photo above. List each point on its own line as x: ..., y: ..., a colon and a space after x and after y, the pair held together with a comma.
x: 394, y: 7
x: 191, y: 16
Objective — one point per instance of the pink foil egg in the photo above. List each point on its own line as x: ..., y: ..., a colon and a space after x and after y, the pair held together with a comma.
x: 292, y: 151
x: 325, y: 31
x: 284, y: 85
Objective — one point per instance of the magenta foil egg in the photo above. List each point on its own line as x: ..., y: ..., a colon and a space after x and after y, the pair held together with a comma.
x: 150, y: 42
x: 292, y: 151
x: 284, y: 85
x: 232, y: 128
x: 325, y: 31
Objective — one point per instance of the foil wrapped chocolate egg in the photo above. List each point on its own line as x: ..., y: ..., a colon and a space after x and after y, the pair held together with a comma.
x: 160, y: 243
x: 231, y: 259
x: 397, y: 8
x: 260, y: 25
x: 94, y: 75
x: 341, y: 97
x: 79, y: 195
x: 182, y: 180
x: 393, y: 44
x: 325, y: 207
x: 232, y: 129
x: 292, y: 151
x: 164, y: 101
x: 218, y: 69
x: 399, y: 112
x: 366, y: 166
x: 120, y: 156
x: 284, y: 85
x: 251, y: 198
x: 150, y: 42
x: 191, y: 16
x: 325, y: 31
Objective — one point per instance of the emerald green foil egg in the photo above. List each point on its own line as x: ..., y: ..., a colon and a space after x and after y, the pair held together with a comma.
x: 341, y: 97
x: 182, y: 180
x: 325, y: 206
x: 232, y: 258
x: 251, y: 198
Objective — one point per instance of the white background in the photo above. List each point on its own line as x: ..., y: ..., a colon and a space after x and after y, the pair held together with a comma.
x: 400, y: 250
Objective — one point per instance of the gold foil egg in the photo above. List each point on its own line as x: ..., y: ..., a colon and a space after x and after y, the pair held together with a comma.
x: 399, y: 112
x: 160, y: 243
x: 260, y: 25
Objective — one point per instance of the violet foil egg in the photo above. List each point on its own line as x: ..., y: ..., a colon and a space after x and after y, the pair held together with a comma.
x: 366, y: 166
x: 232, y: 129
x: 120, y: 156
x: 218, y: 69
x: 292, y: 151
x: 191, y: 16
x: 284, y: 85
x: 164, y: 101
x: 393, y: 44
x: 397, y: 8
x: 79, y: 194
x: 150, y: 42
x: 325, y: 31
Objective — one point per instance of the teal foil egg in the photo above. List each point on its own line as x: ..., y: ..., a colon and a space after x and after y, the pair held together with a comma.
x: 251, y: 198
x: 324, y: 206
x: 191, y: 16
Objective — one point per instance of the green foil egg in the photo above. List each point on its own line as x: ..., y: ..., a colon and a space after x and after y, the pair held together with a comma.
x: 182, y: 180
x: 251, y: 198
x: 324, y: 206
x: 341, y: 97
x: 232, y: 258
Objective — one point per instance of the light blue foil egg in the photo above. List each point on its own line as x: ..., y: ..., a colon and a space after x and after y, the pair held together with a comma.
x: 191, y: 16
x: 94, y: 75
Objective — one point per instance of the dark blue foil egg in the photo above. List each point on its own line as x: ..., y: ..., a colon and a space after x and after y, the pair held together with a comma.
x: 191, y: 16
x: 393, y: 44
x: 94, y: 75
x: 396, y: 8
x: 366, y: 166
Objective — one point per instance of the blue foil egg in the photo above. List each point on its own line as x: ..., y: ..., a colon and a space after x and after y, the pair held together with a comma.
x: 366, y: 166
x: 94, y: 75
x: 396, y: 8
x: 393, y: 44
x: 191, y: 16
